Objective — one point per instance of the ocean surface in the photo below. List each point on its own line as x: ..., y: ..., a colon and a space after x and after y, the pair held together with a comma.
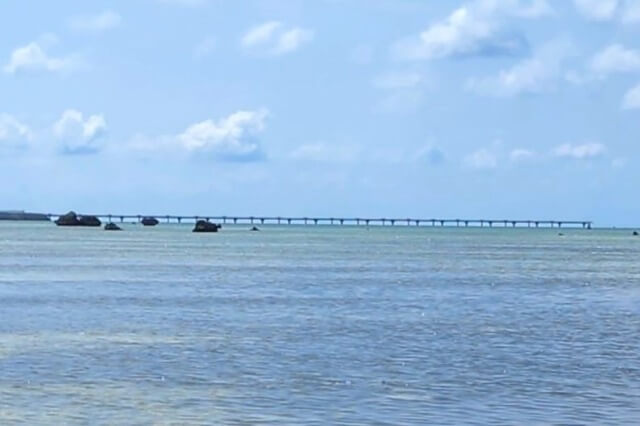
x: 318, y: 325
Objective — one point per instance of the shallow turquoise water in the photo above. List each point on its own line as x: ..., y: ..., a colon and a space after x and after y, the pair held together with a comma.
x: 318, y: 325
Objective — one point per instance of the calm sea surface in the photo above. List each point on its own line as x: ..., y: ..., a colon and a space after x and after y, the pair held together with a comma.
x: 318, y: 325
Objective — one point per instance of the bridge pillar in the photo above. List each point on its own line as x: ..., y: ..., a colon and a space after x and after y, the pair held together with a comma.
x: 121, y: 219
x: 262, y: 220
x: 341, y: 221
x: 289, y: 221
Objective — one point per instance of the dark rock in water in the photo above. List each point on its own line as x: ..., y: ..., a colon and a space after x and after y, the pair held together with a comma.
x: 72, y: 219
x: 635, y: 233
x: 69, y: 219
x: 112, y: 227
x: 89, y: 221
x: 254, y: 229
x: 149, y: 221
x: 206, y: 226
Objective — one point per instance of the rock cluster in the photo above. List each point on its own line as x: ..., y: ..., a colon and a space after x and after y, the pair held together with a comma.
x: 72, y: 219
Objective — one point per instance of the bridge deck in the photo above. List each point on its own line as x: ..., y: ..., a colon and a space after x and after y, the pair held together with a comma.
x: 301, y: 220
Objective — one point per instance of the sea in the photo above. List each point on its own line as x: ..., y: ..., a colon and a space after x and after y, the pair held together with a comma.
x: 318, y: 325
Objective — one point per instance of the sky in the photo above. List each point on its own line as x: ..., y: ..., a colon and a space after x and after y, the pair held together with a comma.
x: 518, y: 109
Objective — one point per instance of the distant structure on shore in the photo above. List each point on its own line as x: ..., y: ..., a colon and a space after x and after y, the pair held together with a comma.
x: 22, y: 215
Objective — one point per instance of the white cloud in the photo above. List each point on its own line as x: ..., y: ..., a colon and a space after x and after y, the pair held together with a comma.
x: 481, y: 159
x: 13, y: 132
x: 275, y: 39
x: 232, y: 137
x: 260, y: 34
x: 616, y: 58
x: 632, y: 98
x: 78, y: 135
x: 204, y: 48
x: 520, y: 154
x: 579, y: 152
x: 100, y: 22
x: 473, y: 29
x: 597, y: 10
x: 291, y: 40
x: 532, y: 75
x: 397, y: 80
x: 33, y: 57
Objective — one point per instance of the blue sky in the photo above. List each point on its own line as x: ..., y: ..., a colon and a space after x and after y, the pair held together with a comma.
x: 479, y: 108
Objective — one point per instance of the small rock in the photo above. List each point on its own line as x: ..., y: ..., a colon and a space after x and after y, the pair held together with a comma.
x: 112, y: 227
x: 255, y: 228
x: 149, y: 221
x: 205, y: 226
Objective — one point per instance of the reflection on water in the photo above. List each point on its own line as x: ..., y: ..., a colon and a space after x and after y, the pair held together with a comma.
x: 318, y: 325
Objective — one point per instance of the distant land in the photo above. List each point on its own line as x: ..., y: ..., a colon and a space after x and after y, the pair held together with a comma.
x: 22, y: 215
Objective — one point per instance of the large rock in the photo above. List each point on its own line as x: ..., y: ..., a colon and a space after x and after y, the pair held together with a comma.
x: 206, y: 226
x: 149, y: 221
x: 72, y: 219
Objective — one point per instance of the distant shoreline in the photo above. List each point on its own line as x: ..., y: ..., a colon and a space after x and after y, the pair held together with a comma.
x: 22, y: 215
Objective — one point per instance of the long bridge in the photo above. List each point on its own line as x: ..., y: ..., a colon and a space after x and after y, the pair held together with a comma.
x: 358, y: 221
